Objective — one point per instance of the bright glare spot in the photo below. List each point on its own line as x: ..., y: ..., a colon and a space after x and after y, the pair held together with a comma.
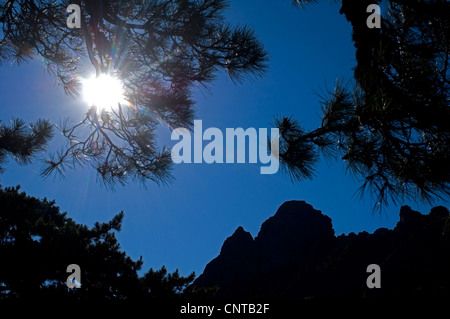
x: 104, y: 92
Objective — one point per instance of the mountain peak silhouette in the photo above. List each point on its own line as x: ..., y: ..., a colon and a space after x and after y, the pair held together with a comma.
x: 239, y: 242
x: 295, y: 221
x: 297, y: 255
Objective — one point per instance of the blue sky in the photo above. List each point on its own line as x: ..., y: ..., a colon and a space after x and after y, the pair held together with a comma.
x: 184, y: 224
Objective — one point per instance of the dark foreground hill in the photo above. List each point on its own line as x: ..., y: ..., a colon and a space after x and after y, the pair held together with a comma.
x: 297, y: 255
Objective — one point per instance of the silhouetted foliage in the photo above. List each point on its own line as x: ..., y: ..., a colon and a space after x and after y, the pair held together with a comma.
x: 159, y: 50
x: 38, y: 242
x: 391, y: 128
x: 22, y: 142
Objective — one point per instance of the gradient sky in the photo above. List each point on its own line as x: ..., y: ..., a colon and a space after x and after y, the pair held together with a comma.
x: 184, y: 224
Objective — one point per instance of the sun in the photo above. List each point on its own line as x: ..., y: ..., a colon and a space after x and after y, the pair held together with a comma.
x: 104, y: 91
